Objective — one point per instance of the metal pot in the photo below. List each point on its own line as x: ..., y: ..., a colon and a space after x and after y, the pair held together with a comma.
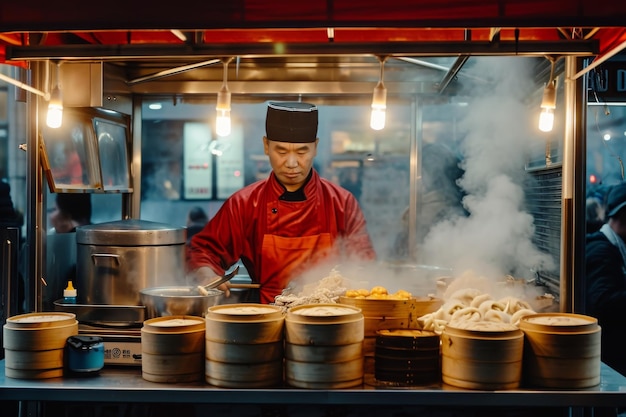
x: 115, y: 260
x: 178, y: 301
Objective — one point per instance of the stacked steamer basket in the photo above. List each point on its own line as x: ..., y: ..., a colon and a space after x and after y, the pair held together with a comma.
x: 561, y: 350
x: 482, y: 355
x: 324, y: 346
x: 407, y: 357
x: 244, y: 345
x: 385, y: 314
x: 172, y: 349
x: 34, y: 344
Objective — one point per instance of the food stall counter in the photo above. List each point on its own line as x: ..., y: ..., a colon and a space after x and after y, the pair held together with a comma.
x: 125, y: 384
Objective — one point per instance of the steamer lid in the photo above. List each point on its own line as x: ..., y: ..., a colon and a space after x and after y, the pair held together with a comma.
x: 132, y: 232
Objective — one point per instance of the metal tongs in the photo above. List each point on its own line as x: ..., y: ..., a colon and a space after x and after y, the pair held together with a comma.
x: 204, y: 289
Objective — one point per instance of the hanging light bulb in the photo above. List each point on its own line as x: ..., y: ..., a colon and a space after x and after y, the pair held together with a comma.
x: 548, y: 103
x: 222, y: 122
x: 54, y: 118
x: 379, y: 101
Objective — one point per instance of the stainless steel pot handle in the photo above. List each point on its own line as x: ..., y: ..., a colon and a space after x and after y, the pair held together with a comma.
x: 110, y: 256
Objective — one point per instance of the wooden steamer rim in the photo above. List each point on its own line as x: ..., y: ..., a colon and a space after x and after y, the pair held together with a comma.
x: 559, y: 323
x: 490, y: 330
x: 40, y: 320
x: 173, y: 324
x: 324, y: 313
x: 248, y: 312
x: 389, y: 307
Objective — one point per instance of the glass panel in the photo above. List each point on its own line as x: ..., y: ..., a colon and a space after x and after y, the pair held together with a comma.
x: 88, y: 151
x: 67, y: 150
x: 113, y: 154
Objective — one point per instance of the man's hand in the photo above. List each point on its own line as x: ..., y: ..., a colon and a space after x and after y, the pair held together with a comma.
x: 205, y: 276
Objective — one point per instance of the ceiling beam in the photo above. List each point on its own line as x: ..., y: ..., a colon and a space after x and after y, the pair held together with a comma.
x: 398, y: 49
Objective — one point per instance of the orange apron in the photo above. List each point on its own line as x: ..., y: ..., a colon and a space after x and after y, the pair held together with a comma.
x: 284, y: 257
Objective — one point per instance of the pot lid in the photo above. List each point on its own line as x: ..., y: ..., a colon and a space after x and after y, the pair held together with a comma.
x: 132, y: 232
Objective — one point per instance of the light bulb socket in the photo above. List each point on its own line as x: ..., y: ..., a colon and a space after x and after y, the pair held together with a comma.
x: 379, y: 98
x: 56, y: 98
x: 549, y: 96
x: 223, y: 99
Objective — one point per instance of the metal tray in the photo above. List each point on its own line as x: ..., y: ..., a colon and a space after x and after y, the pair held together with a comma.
x: 103, y: 314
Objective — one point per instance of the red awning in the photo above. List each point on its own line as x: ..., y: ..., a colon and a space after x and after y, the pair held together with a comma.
x: 117, y: 22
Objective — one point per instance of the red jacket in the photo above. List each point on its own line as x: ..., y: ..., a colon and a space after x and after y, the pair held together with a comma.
x: 255, y: 216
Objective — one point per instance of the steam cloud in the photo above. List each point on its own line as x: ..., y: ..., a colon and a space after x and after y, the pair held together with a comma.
x: 495, y: 239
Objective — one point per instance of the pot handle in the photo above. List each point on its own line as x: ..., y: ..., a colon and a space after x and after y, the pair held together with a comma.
x: 110, y: 256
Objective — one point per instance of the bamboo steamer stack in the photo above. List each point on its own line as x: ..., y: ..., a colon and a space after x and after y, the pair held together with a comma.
x: 407, y: 357
x: 482, y: 355
x: 561, y: 350
x: 244, y: 345
x: 386, y: 314
x: 34, y: 344
x: 324, y: 346
x: 172, y: 349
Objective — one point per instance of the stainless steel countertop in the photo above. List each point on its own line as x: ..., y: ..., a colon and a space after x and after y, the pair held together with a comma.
x: 125, y: 384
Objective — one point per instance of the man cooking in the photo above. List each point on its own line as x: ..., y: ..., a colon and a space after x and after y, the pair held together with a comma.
x: 287, y: 223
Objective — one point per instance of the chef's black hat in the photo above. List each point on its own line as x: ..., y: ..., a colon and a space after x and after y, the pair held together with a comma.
x: 291, y: 122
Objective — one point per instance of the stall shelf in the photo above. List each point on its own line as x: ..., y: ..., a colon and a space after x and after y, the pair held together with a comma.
x: 125, y: 384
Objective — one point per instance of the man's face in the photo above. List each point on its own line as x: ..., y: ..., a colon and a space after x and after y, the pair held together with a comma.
x: 291, y: 162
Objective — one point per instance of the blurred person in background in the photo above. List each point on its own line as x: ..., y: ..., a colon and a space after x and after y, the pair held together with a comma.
x: 595, y: 207
x: 290, y: 221
x: 196, y: 220
x: 9, y: 217
x: 605, y: 268
x: 441, y: 197
x: 70, y: 211
x: 594, y: 214
x: 69, y: 168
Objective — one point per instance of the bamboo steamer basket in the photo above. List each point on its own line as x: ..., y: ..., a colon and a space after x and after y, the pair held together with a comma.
x: 561, y: 350
x: 246, y: 324
x: 482, y: 355
x: 341, y: 353
x: 34, y: 344
x: 181, y: 367
x: 244, y: 375
x: 324, y: 346
x: 407, y: 357
x: 385, y: 314
x: 244, y: 345
x: 324, y: 325
x: 324, y: 375
x: 35, y: 360
x: 173, y: 335
x: 39, y: 331
x: 172, y: 349
x: 244, y: 354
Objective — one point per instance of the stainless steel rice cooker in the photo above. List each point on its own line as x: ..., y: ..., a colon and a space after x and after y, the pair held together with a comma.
x: 116, y: 260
